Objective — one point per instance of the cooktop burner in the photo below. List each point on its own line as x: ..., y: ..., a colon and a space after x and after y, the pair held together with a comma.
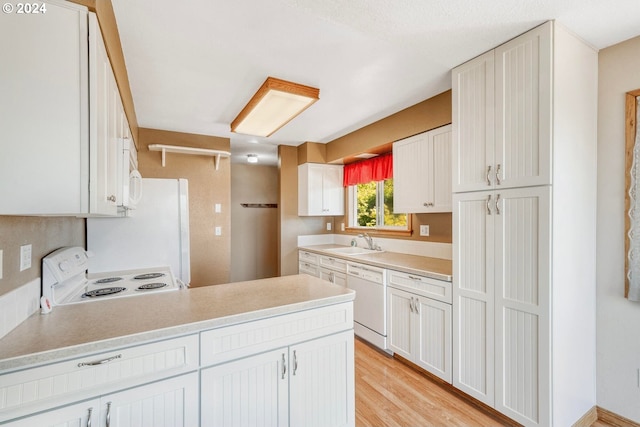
x: 107, y: 280
x: 103, y: 292
x: 148, y: 276
x: 148, y: 286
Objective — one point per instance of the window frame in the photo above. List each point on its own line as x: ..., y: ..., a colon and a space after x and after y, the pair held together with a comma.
x: 352, y: 214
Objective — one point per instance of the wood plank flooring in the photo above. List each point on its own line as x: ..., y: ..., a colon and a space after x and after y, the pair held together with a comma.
x: 392, y: 394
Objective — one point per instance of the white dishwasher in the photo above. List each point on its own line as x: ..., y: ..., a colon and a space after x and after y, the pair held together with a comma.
x: 370, y: 305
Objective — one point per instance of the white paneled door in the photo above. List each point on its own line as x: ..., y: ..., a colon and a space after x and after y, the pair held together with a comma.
x: 78, y: 415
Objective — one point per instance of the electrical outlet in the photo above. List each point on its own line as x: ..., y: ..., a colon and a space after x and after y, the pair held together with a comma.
x: 218, y: 231
x: 328, y: 226
x: 342, y: 226
x: 25, y: 257
x: 424, y: 230
x: 218, y: 208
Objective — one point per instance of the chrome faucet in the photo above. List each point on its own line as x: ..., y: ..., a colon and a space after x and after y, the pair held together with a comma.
x: 368, y: 239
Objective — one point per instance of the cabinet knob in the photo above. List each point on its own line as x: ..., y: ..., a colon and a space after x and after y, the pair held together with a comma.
x: 111, y: 198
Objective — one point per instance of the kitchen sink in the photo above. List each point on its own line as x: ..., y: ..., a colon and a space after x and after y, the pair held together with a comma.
x: 352, y: 250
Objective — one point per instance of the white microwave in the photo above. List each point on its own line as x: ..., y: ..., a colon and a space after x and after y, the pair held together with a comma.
x: 129, y: 179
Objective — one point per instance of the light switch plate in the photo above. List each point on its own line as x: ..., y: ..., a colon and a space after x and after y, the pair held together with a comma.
x: 424, y: 230
x: 218, y: 231
x: 25, y: 257
x: 218, y: 208
x: 328, y: 226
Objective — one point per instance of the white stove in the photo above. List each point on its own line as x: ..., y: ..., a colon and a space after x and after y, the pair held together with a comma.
x: 65, y: 279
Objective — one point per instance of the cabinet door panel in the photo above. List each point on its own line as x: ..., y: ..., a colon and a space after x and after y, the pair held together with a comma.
x: 412, y: 188
x: 473, y: 294
x: 523, y: 109
x: 522, y: 310
x: 400, y: 334
x: 332, y: 190
x: 441, y: 169
x: 322, y: 382
x: 167, y: 403
x: 250, y: 391
x: 434, y: 332
x: 473, y: 123
x: 70, y: 416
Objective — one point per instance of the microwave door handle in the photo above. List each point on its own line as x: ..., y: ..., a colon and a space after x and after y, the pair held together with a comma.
x: 135, y: 180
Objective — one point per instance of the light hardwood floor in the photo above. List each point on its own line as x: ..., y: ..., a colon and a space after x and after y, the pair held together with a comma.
x: 391, y: 394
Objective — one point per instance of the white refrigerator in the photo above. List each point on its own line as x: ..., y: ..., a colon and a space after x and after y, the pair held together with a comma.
x: 155, y: 234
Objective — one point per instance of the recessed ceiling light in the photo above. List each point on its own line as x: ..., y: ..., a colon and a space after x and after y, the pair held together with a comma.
x: 252, y: 158
x: 274, y: 105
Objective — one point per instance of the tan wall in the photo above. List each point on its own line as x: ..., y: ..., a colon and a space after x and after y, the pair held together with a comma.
x: 109, y: 28
x: 44, y: 234
x: 254, y: 236
x: 210, y: 254
x: 312, y: 152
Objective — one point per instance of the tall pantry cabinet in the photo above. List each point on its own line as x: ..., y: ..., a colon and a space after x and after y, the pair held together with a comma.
x: 524, y: 182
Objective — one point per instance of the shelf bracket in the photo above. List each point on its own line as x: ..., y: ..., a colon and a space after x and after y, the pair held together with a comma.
x: 164, y: 149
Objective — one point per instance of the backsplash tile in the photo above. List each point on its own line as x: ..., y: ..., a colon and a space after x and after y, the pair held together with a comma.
x: 16, y: 306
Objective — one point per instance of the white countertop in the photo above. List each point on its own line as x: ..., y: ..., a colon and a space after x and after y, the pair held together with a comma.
x: 436, y: 268
x: 77, y: 329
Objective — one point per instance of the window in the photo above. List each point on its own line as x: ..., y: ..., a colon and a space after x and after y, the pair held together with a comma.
x: 371, y: 206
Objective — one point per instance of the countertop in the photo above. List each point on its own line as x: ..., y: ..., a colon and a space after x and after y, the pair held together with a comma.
x: 436, y: 268
x: 76, y: 329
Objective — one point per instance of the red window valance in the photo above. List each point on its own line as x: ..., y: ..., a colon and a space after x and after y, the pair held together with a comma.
x: 375, y: 169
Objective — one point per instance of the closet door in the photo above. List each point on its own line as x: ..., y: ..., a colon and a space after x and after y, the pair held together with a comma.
x: 522, y: 277
x: 473, y: 294
x: 523, y: 110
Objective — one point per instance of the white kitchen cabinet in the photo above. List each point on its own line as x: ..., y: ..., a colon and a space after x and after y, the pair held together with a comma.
x: 55, y: 106
x: 523, y: 265
x: 76, y: 415
x: 333, y: 276
x: 420, y: 331
x: 422, y: 172
x: 511, y: 147
x: 320, y: 190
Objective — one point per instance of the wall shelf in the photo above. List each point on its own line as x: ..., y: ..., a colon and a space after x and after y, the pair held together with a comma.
x: 217, y: 154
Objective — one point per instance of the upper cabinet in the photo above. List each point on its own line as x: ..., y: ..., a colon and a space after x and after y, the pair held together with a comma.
x: 59, y: 107
x: 320, y: 190
x: 502, y: 116
x: 422, y: 172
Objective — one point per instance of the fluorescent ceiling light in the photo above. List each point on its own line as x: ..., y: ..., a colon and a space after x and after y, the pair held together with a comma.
x: 274, y: 105
x: 252, y: 158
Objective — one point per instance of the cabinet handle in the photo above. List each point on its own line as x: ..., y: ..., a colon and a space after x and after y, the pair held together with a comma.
x: 489, y: 175
x: 332, y: 277
x: 411, y: 305
x: 99, y: 362
x: 89, y: 417
x: 415, y: 278
x: 497, y: 204
x: 498, y: 181
x: 108, y: 414
x: 489, y: 205
x: 111, y: 198
x: 425, y: 204
x: 295, y: 362
x: 416, y: 304
x: 284, y: 366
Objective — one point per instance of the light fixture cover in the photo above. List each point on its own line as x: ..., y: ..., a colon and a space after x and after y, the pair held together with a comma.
x: 274, y: 105
x: 252, y: 158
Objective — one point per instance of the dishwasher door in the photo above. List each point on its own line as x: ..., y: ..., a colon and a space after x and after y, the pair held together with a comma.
x: 369, y: 307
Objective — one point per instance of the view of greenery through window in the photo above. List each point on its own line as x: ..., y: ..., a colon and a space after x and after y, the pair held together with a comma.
x: 373, y: 197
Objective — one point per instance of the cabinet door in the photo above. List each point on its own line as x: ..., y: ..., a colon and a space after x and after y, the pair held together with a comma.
x: 250, y: 391
x: 473, y: 123
x: 412, y: 187
x: 172, y: 402
x: 522, y: 266
x: 322, y: 382
x: 333, y: 277
x: 400, y: 308
x: 77, y: 415
x: 102, y: 126
x: 433, y: 346
x: 439, y: 172
x: 523, y: 109
x: 473, y: 294
x: 332, y: 190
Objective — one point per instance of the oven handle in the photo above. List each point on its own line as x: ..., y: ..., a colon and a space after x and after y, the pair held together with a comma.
x: 99, y: 362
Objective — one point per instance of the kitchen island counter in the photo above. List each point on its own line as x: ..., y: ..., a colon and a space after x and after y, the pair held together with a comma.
x: 77, y: 329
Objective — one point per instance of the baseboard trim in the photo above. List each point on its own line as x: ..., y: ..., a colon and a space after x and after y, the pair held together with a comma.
x: 614, y: 420
x: 451, y: 389
x: 587, y: 419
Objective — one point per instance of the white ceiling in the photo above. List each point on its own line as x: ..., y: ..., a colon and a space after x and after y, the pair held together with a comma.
x: 194, y: 65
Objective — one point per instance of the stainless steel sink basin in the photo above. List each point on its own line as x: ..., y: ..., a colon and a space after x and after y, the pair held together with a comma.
x: 352, y: 250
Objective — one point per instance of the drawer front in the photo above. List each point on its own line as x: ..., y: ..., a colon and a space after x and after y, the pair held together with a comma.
x: 425, y: 286
x: 309, y: 257
x: 232, y: 342
x: 308, y: 268
x: 43, y: 387
x: 333, y: 263
x: 334, y: 277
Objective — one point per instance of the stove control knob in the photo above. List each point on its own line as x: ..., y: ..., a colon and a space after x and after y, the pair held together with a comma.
x: 64, y: 265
